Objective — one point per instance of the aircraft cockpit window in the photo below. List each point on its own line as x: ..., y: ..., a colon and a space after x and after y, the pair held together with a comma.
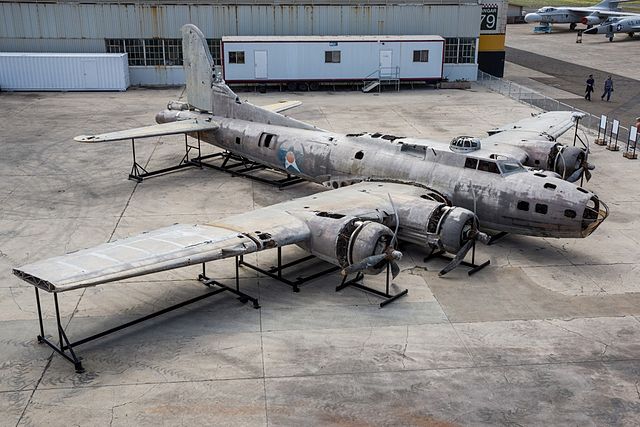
x: 471, y: 163
x: 488, y: 166
x: 510, y: 166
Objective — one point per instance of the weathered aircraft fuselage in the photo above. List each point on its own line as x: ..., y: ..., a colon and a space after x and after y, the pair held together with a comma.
x: 504, y: 195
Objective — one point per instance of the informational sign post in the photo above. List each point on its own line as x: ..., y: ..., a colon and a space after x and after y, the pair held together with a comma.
x: 602, y: 129
x: 630, y: 152
x: 613, y: 143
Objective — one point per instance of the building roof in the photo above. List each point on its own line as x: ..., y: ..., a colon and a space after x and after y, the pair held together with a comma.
x: 300, y: 39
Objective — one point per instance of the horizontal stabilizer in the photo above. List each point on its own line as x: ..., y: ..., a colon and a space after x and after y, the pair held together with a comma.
x: 172, y: 128
x: 163, y: 249
x: 281, y: 106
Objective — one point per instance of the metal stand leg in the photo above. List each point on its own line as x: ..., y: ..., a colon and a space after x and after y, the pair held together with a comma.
x: 357, y: 283
x: 65, y: 348
x: 474, y: 268
x: 275, y: 272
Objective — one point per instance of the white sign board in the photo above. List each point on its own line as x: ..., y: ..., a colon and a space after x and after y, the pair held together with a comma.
x: 603, y: 122
x: 616, y: 126
x: 633, y: 134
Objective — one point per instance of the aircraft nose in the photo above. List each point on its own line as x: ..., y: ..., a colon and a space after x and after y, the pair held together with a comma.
x: 595, y: 212
x: 532, y: 17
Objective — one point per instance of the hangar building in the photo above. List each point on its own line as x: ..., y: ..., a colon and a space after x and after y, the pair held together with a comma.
x: 149, y: 31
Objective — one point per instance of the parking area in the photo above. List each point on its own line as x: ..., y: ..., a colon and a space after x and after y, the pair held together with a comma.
x: 548, y: 334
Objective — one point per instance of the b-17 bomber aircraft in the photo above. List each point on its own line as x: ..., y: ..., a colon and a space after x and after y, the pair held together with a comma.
x: 629, y: 25
x: 573, y: 15
x: 385, y: 189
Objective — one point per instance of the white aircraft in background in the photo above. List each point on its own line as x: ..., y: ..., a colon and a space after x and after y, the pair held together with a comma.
x: 629, y: 25
x: 589, y: 16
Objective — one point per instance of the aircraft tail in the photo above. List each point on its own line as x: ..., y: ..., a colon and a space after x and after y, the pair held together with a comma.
x: 206, y: 92
x: 611, y: 4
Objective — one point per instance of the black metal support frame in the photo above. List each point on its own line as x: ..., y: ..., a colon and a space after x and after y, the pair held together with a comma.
x: 225, y: 162
x: 474, y: 268
x: 275, y: 272
x: 240, y: 166
x: 65, y: 348
x: 357, y: 283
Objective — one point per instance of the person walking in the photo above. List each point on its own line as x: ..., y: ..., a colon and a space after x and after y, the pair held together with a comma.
x: 608, y: 89
x: 589, y: 89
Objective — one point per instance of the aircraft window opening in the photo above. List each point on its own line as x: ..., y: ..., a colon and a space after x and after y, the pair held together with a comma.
x: 541, y: 208
x: 550, y: 186
x: 487, y: 166
x: 376, y: 135
x: 523, y: 206
x: 582, y: 190
x: 537, y: 162
x: 359, y: 155
x: 471, y: 163
x: 237, y: 140
x: 267, y: 140
x: 569, y: 213
x: 510, y: 166
x: 467, y: 144
x: 541, y: 175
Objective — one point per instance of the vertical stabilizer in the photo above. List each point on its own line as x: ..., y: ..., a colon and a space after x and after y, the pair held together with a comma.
x: 610, y: 4
x: 206, y: 92
x: 198, y: 68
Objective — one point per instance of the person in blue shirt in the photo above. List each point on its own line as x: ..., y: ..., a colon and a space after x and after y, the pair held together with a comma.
x: 608, y: 89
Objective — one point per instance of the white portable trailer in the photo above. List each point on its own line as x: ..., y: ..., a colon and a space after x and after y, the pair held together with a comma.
x: 64, y: 71
x: 316, y: 59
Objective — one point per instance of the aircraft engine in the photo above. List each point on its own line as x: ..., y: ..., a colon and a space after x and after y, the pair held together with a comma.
x: 591, y: 20
x: 569, y: 162
x: 171, y: 115
x: 354, y: 244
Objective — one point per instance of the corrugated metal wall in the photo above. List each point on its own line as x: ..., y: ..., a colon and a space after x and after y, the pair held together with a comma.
x: 77, y: 27
x: 98, y: 21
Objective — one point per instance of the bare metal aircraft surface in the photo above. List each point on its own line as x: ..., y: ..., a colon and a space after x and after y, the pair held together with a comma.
x: 573, y: 15
x: 386, y: 189
x: 628, y: 25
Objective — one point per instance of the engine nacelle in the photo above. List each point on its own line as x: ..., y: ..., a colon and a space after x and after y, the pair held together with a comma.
x: 591, y: 20
x: 435, y: 225
x: 345, y: 240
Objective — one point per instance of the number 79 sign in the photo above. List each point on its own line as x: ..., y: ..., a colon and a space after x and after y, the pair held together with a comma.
x: 489, y: 18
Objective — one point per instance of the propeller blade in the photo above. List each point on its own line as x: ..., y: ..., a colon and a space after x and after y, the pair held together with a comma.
x: 395, y: 269
x: 587, y: 174
x: 458, y: 258
x: 576, y: 175
x: 365, y: 264
x: 395, y: 214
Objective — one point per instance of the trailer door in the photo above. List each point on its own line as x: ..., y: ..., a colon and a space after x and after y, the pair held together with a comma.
x: 386, y: 57
x: 260, y: 64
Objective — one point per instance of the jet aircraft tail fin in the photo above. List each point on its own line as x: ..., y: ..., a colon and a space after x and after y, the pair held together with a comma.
x: 207, y: 92
x: 611, y: 4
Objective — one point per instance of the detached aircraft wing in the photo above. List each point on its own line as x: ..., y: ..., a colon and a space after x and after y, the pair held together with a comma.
x: 172, y: 128
x: 164, y: 249
x: 281, y: 106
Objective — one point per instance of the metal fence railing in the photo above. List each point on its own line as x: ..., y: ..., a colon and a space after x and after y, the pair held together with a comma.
x: 530, y: 97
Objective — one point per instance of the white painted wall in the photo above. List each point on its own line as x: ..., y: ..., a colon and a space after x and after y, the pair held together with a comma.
x: 306, y: 60
x: 455, y: 72
x: 63, y: 71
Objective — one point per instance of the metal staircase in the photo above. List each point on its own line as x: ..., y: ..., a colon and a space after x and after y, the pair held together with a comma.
x: 382, y: 76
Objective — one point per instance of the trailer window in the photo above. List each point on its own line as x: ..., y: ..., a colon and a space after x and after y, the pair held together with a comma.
x: 420, y: 56
x: 236, y: 57
x: 332, y: 56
